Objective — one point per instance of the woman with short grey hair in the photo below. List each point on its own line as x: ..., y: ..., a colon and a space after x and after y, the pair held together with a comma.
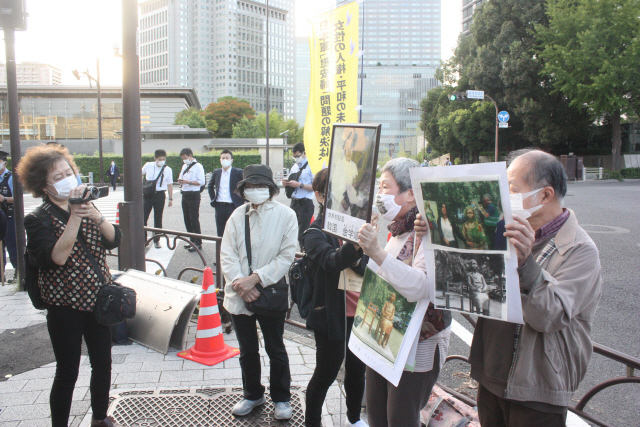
x: 387, y: 405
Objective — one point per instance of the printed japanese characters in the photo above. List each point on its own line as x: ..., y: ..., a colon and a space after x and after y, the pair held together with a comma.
x: 351, y: 177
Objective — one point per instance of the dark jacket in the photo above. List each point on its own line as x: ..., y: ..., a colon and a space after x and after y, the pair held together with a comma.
x: 214, y: 186
x: 116, y: 172
x: 328, y: 259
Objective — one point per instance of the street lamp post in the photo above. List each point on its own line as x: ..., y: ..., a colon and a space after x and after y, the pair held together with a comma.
x: 424, y: 131
x: 97, y: 80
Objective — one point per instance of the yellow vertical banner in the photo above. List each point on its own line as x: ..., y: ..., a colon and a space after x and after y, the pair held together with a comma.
x: 333, y: 97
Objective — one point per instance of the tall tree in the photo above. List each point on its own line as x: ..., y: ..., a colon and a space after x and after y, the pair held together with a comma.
x: 591, y: 50
x: 246, y: 128
x: 276, y: 124
x: 194, y: 118
x: 228, y: 111
x: 499, y: 58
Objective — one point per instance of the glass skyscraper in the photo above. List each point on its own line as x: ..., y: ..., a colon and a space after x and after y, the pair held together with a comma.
x: 218, y: 47
x: 468, y: 6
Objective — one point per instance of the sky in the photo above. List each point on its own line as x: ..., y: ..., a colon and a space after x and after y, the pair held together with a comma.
x: 72, y: 34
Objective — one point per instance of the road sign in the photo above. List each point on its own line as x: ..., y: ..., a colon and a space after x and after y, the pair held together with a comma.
x: 503, y: 116
x: 475, y: 94
x: 503, y: 124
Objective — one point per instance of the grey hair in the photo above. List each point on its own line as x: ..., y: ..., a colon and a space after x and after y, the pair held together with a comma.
x: 544, y: 170
x: 399, y: 169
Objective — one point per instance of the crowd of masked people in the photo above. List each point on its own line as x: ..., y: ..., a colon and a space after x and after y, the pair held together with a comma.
x: 527, y: 373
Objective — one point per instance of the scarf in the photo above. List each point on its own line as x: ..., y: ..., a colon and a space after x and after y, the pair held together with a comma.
x: 405, y: 224
x: 433, y: 321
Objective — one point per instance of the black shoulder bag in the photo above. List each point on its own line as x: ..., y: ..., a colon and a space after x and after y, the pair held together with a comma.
x: 114, y: 303
x: 149, y: 187
x: 293, y: 177
x: 32, y: 273
x: 187, y: 170
x: 273, y: 300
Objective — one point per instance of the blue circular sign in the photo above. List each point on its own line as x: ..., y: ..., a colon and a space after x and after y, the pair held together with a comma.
x: 503, y: 116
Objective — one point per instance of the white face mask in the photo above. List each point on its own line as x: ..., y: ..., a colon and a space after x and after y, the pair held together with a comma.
x: 160, y: 163
x: 64, y: 187
x: 225, y: 163
x: 300, y: 160
x: 517, y: 206
x: 2, y: 165
x: 387, y: 206
x: 257, y: 196
x: 186, y: 161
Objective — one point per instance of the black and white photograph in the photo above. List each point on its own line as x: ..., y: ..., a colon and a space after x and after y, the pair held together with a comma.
x: 473, y: 283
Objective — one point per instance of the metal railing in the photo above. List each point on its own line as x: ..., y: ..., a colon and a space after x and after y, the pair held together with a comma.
x: 632, y: 363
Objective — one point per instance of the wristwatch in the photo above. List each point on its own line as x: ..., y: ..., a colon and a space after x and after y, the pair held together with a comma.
x: 301, y: 185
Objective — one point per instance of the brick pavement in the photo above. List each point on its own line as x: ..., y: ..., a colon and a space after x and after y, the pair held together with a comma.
x: 24, y: 398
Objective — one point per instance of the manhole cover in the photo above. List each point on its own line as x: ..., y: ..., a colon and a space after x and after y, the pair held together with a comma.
x: 197, y: 407
x: 607, y: 229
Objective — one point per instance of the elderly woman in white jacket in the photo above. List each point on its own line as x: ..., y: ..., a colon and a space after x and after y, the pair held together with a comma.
x: 387, y: 405
x: 273, y: 231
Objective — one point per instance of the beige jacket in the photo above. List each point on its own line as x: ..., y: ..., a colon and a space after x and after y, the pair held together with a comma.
x: 559, y: 302
x: 274, y: 236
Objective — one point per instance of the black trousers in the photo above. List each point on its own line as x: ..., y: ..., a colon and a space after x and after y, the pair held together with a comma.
x: 279, y: 376
x: 304, y: 211
x: 9, y: 242
x: 223, y: 212
x: 329, y: 357
x: 498, y: 412
x: 66, y: 328
x: 114, y: 180
x: 191, y: 213
x: 156, y: 202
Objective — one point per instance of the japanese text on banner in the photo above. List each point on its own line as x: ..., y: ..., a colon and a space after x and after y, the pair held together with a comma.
x: 333, y: 45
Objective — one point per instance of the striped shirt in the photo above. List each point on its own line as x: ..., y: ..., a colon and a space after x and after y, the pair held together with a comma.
x: 552, y: 227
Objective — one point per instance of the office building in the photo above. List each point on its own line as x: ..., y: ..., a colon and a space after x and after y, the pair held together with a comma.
x: 401, y: 43
x: 33, y: 73
x: 218, y: 47
x: 303, y: 78
x: 71, y: 112
x: 468, y: 7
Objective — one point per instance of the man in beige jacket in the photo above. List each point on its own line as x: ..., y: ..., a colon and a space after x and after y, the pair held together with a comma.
x: 528, y: 373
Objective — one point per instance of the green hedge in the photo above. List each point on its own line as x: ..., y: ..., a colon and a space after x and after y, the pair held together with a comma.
x: 209, y: 160
x: 630, y: 173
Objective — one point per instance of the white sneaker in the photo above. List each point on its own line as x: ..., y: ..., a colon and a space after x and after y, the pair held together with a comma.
x: 245, y: 406
x: 282, y: 410
x: 358, y: 423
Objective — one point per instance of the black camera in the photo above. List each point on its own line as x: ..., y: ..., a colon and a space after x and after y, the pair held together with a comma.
x: 90, y: 193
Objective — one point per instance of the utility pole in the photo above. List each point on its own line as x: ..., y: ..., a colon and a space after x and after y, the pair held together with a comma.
x: 267, y: 100
x: 132, y: 246
x: 97, y: 80
x: 12, y: 18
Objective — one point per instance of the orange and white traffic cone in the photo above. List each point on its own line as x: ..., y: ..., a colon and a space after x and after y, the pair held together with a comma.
x: 118, y: 214
x: 210, y: 348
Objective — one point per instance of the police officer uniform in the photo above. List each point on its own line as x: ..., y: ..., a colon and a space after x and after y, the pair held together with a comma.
x: 6, y: 191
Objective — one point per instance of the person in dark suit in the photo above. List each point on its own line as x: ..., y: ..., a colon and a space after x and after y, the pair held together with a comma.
x: 222, y: 187
x: 113, y: 173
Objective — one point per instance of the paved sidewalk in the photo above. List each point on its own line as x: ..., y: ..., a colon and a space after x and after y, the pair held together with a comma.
x: 24, y: 398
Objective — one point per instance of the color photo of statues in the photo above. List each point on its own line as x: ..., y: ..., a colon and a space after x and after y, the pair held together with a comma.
x: 465, y: 214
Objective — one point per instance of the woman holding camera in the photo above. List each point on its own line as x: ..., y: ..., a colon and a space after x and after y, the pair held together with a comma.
x: 67, y: 281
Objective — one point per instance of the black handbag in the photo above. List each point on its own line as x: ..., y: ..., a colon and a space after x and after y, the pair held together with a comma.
x: 273, y: 300
x: 114, y: 303
x: 288, y: 191
x: 149, y: 187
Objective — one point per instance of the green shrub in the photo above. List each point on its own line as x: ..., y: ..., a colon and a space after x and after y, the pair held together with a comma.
x: 608, y: 174
x: 630, y: 173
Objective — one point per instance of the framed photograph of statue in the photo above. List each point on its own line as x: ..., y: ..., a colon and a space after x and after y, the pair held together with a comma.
x: 352, y: 174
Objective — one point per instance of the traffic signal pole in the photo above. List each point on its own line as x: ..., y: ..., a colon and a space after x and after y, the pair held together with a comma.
x: 497, y: 124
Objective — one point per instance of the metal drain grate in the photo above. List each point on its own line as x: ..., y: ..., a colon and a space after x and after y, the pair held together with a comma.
x: 606, y: 229
x: 197, y: 407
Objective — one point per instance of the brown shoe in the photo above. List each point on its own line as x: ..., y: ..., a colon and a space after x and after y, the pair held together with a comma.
x: 107, y: 422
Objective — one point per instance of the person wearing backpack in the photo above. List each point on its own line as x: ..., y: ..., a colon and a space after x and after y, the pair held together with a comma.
x: 162, y: 174
x: 192, y: 180
x: 64, y: 242
x: 329, y: 318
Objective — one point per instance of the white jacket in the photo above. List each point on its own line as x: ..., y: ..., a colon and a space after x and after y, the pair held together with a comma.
x: 274, y: 237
